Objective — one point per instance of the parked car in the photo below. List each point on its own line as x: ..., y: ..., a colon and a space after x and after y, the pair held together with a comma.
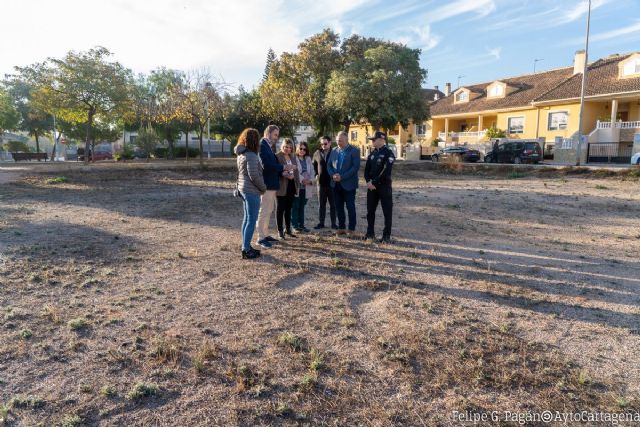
x: 460, y: 154
x: 102, y: 155
x: 515, y: 152
x: 635, y: 159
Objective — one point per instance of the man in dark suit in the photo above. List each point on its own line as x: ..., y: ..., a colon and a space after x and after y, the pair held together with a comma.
x: 325, y: 192
x: 344, y: 164
x: 271, y: 171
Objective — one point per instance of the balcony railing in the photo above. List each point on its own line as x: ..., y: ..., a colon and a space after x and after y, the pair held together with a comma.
x: 458, y: 135
x: 617, y: 125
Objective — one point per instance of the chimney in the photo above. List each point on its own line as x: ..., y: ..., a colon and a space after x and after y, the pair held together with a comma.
x: 447, y: 89
x: 436, y: 95
x: 579, y: 62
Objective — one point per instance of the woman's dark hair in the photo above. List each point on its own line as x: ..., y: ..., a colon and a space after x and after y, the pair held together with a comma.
x: 250, y: 138
x: 305, y: 145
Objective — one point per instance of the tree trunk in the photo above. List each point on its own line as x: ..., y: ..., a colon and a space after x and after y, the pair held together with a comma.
x: 170, y: 143
x: 346, y: 123
x: 87, y: 141
x: 53, y: 150
x: 201, y: 148
x: 186, y: 144
x: 37, y: 143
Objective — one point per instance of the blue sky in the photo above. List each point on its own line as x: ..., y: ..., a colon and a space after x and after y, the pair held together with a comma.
x: 481, y: 40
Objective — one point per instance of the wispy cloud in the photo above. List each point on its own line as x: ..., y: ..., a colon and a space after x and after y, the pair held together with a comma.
x: 579, y: 9
x: 460, y: 7
x: 632, y: 30
x: 495, y: 52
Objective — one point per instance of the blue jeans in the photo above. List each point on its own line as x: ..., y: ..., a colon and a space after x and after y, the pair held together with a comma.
x: 251, y: 209
x: 297, y: 211
x: 342, y: 197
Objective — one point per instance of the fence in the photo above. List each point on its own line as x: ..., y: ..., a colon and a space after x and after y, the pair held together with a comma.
x: 609, y: 152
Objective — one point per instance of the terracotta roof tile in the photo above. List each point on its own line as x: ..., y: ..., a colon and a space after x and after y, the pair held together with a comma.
x: 545, y: 86
x: 602, y: 79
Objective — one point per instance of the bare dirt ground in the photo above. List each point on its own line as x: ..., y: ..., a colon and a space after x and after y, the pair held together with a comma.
x: 124, y: 301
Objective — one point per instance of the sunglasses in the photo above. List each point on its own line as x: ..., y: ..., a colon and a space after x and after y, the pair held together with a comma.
x: 302, y: 149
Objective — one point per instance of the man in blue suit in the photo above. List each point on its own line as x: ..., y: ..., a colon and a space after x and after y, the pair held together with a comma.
x: 271, y: 171
x: 344, y: 164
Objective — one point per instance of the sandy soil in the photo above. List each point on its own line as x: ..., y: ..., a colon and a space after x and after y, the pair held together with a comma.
x: 501, y: 291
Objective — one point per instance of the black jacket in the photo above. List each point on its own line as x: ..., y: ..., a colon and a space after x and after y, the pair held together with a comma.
x: 320, y: 166
x: 378, y: 167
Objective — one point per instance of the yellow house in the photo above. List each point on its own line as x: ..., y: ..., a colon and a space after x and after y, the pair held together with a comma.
x: 546, y: 106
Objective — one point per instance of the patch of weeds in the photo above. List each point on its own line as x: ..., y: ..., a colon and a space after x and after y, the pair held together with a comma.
x: 583, y: 378
x: 392, y: 351
x: 78, y: 324
x: 141, y: 390
x: 308, y: 381
x: 71, y: 421
x: 283, y: 410
x: 246, y: 378
x: 26, y: 334
x: 622, y: 402
x: 454, y: 206
x: 35, y: 278
x: 52, y: 313
x: 109, y: 390
x: 14, y: 314
x: 89, y: 282
x: 31, y: 402
x: 58, y: 180
x: 86, y: 388
x: 166, y: 349
x: 601, y: 187
x: 291, y: 341
x: 207, y: 352
x: 4, y: 413
x: 317, y: 363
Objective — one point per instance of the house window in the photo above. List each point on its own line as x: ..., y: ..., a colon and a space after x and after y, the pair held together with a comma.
x: 421, y: 129
x: 558, y: 121
x: 515, y: 125
x: 354, y: 135
x: 631, y: 67
x: 462, y: 97
x: 495, y: 91
x: 132, y: 139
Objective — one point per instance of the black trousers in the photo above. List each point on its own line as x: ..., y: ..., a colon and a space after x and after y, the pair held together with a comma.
x: 382, y: 194
x: 283, y: 211
x: 326, y: 195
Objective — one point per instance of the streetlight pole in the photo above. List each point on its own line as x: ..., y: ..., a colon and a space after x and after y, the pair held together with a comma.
x: 535, y: 61
x: 208, y: 86
x: 584, y: 83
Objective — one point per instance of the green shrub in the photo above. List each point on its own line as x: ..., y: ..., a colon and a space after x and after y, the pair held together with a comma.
x: 435, y: 142
x: 17, y: 146
x: 141, y: 390
x: 493, y: 133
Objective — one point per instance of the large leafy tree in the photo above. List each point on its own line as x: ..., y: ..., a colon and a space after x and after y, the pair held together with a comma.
x: 201, y: 102
x: 378, y: 84
x: 239, y: 111
x: 294, y: 90
x: 83, y: 87
x: 33, y: 120
x: 9, y: 117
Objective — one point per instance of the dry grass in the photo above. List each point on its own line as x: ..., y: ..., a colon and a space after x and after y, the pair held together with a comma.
x: 499, y: 294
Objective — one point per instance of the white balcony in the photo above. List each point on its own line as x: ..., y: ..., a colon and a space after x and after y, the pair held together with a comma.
x: 617, y: 125
x: 458, y: 136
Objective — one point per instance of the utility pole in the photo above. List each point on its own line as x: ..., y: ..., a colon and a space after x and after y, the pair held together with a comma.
x: 208, y: 86
x: 584, y: 83
x: 535, y: 61
x: 459, y: 78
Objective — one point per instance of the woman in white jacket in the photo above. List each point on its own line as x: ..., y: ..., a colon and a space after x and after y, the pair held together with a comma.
x: 307, y: 177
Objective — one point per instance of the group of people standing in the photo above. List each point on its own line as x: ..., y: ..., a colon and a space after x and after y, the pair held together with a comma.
x: 285, y: 181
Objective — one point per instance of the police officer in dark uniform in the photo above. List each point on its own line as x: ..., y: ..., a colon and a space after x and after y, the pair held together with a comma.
x: 377, y: 174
